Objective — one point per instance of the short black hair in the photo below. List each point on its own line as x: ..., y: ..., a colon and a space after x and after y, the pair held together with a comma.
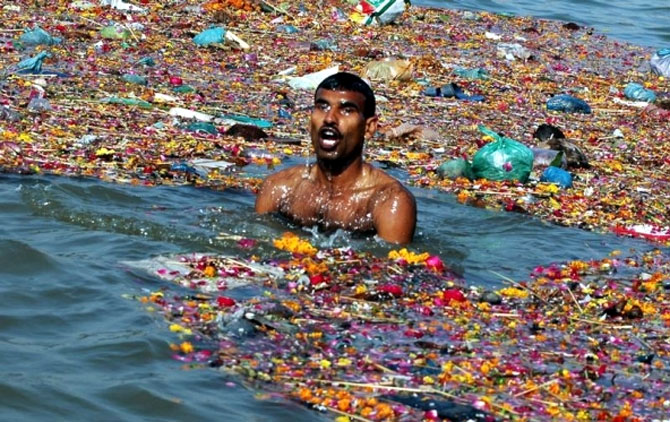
x: 350, y: 82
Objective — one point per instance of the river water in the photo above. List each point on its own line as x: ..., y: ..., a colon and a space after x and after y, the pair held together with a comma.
x: 74, y: 347
x: 642, y: 22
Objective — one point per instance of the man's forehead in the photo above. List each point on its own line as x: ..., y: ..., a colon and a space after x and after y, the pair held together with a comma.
x: 340, y: 95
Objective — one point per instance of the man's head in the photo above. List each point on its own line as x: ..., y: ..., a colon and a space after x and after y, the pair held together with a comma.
x: 343, y: 115
x: 344, y: 81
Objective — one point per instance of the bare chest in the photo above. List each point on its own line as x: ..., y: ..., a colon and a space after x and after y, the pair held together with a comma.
x: 348, y: 210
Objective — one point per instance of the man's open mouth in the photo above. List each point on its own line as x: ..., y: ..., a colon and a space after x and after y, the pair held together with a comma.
x: 329, y: 137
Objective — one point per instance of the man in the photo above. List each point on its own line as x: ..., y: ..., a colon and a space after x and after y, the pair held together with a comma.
x: 341, y: 190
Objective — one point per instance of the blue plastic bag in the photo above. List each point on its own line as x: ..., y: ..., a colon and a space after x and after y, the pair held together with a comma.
x: 134, y: 79
x: 558, y: 176
x: 210, y: 36
x: 33, y: 64
x: 568, y: 104
x: 477, y: 73
x: 38, y: 36
x: 637, y: 92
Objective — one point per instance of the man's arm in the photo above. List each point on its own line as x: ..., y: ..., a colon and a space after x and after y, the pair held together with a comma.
x: 394, y: 215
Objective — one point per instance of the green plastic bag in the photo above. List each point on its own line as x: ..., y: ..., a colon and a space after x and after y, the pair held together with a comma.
x: 502, y: 159
x: 453, y: 169
x: 134, y: 79
x: 113, y: 32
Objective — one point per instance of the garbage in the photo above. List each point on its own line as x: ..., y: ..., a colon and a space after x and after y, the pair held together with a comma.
x: 568, y: 104
x: 635, y: 91
x: 248, y: 132
x: 9, y: 115
x: 389, y: 69
x: 122, y: 5
x: 477, y: 73
x: 543, y: 157
x: 546, y: 132
x: 210, y: 36
x: 190, y: 114
x: 415, y: 131
x: 312, y: 80
x: 238, y: 118
x: 38, y: 36
x: 115, y: 32
x: 33, y: 64
x: 453, y: 169
x: 660, y: 62
x: 451, y: 90
x: 126, y: 101
x: 134, y: 79
x: 380, y: 12
x: 39, y: 105
x: 216, y: 35
x: 205, y: 127
x: 502, y: 159
x: 558, y: 176
x: 512, y: 51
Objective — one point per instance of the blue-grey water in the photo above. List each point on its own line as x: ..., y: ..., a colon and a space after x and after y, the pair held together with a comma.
x: 73, y: 347
x: 642, y: 22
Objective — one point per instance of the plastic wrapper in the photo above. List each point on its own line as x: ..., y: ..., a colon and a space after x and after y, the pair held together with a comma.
x: 389, y: 69
x: 502, y: 159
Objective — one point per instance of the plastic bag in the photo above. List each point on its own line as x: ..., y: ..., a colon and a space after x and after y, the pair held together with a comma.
x: 660, y: 62
x: 568, y: 103
x: 312, y: 80
x: 512, y: 51
x: 381, y: 12
x: 114, y: 32
x: 39, y: 105
x: 134, y: 79
x: 502, y: 159
x: 558, y: 176
x: 210, y: 36
x: 33, y: 64
x: 477, y: 73
x: 216, y: 35
x: 453, y: 169
x: 637, y: 92
x: 389, y: 69
x: 38, y: 36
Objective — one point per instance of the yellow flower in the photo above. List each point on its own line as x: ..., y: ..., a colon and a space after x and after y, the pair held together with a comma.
x: 292, y: 243
x: 513, y: 292
x: 408, y: 256
x: 186, y: 347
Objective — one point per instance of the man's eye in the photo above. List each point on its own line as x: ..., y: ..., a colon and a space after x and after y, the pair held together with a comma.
x: 348, y: 110
x: 322, y: 106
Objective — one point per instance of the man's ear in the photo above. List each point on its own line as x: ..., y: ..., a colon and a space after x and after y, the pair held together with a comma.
x: 371, y: 126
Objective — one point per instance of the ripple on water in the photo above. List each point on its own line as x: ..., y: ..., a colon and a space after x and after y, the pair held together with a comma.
x: 18, y: 257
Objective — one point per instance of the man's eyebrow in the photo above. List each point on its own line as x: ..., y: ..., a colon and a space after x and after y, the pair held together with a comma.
x: 346, y: 103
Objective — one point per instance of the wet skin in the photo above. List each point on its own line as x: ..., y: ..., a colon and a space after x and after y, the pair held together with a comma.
x: 341, y: 190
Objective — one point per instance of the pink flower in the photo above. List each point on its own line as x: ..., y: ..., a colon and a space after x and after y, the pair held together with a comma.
x: 435, y: 263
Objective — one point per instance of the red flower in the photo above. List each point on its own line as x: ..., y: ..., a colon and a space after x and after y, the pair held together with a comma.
x: 225, y: 302
x: 392, y: 289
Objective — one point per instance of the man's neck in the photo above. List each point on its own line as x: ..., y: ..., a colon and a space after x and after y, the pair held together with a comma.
x: 339, y: 178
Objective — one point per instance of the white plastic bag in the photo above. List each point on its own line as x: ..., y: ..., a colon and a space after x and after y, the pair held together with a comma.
x: 660, y: 62
x: 312, y: 80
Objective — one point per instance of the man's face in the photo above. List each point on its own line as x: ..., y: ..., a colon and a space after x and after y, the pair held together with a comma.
x: 338, y: 127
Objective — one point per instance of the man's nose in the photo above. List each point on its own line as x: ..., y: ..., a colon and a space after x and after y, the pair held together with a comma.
x: 330, y: 116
